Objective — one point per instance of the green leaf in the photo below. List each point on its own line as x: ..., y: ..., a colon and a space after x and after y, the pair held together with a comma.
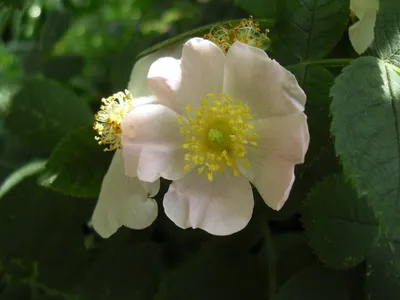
x: 259, y: 8
x: 16, y: 291
x: 10, y: 74
x: 198, y: 32
x: 25, y: 213
x: 316, y: 82
x: 366, y: 127
x: 32, y: 61
x: 311, y: 28
x: 17, y: 176
x: 42, y: 231
x: 78, y: 164
x: 5, y: 14
x: 314, y: 283
x: 17, y: 4
x: 120, y: 70
x: 387, y: 32
x: 341, y: 227
x: 63, y: 68
x: 66, y: 241
x: 43, y: 111
x: 56, y: 25
x: 383, y: 271
x: 291, y: 245
x: 211, y: 274
x: 124, y: 271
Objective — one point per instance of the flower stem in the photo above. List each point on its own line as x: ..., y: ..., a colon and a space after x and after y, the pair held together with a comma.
x: 331, y: 62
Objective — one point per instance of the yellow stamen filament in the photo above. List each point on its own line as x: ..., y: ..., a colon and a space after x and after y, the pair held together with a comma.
x: 217, y: 135
x: 247, y: 31
x: 108, y: 119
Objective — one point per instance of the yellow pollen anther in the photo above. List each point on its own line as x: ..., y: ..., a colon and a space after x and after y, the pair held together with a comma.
x: 108, y: 119
x: 246, y: 31
x: 217, y: 135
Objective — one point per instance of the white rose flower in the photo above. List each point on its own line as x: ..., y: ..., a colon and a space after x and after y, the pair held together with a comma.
x: 125, y: 200
x: 361, y: 33
x: 221, y: 122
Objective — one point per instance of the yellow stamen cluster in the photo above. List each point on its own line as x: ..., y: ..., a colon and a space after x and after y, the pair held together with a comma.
x: 217, y: 135
x: 246, y: 31
x: 108, y: 119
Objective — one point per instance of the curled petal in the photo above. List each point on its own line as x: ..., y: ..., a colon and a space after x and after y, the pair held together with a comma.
x: 361, y: 33
x: 138, y: 81
x: 360, y: 6
x: 123, y: 201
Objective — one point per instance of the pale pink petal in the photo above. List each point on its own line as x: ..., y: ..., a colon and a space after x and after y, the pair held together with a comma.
x: 273, y: 176
x: 164, y: 79
x: 138, y: 80
x: 123, y: 201
x: 151, y: 125
x: 282, y: 143
x: 286, y: 136
x: 155, y: 163
x: 200, y: 71
x: 130, y: 153
x: 268, y: 88
x: 221, y: 207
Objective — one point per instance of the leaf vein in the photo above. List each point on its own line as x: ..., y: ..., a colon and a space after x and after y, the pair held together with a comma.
x: 396, y: 124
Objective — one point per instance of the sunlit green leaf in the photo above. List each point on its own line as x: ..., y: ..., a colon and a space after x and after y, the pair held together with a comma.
x: 387, y: 32
x: 366, y: 114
